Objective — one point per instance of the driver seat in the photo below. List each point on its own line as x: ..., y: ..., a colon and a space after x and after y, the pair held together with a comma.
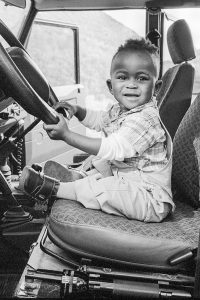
x: 168, y: 246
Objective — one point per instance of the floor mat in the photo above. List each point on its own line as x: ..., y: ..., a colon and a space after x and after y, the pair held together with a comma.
x: 12, y: 259
x: 8, y: 283
x: 12, y: 263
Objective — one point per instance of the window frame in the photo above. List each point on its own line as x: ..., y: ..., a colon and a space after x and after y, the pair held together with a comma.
x: 75, y: 30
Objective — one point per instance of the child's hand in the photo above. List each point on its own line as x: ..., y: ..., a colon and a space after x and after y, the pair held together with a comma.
x: 58, y: 131
x: 71, y: 110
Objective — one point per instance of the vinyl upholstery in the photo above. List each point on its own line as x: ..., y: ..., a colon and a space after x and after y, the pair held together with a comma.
x: 174, y: 97
x: 90, y: 233
x: 186, y: 156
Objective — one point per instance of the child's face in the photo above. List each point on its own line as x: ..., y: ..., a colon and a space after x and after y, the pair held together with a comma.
x: 133, y: 78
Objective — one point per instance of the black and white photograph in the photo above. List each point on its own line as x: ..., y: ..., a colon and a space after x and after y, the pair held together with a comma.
x: 100, y: 149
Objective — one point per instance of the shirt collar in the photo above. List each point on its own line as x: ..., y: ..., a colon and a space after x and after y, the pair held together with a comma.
x: 121, y: 112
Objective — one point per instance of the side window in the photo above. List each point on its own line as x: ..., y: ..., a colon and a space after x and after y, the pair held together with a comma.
x: 167, y: 61
x: 54, y: 48
x: 100, y: 34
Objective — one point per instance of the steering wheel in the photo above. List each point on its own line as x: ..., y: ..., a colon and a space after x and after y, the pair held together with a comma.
x: 16, y: 85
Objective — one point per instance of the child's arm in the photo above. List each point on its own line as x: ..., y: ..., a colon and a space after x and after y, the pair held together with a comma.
x: 61, y: 131
x: 90, y: 118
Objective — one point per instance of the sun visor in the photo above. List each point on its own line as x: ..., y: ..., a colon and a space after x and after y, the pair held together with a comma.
x: 31, y: 71
x: 88, y: 4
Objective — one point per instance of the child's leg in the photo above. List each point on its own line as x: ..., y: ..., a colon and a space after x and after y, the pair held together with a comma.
x: 118, y: 196
x: 111, y: 195
x: 68, y: 191
x: 43, y: 187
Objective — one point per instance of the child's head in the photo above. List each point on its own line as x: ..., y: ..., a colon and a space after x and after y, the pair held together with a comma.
x: 134, y: 73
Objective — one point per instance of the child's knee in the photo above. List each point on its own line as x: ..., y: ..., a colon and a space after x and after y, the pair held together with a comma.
x: 158, y: 213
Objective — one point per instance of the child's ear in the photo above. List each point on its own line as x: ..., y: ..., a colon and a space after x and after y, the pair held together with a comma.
x: 158, y: 85
x: 109, y: 85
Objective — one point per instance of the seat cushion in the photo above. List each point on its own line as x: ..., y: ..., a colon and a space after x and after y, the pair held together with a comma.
x: 97, y: 235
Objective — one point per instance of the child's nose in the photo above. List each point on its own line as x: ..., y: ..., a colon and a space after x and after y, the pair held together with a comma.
x: 132, y: 84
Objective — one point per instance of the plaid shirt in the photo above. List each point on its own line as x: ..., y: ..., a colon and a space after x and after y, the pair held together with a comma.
x: 133, y: 138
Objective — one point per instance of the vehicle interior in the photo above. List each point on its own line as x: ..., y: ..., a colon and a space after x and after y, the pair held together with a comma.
x: 61, y: 249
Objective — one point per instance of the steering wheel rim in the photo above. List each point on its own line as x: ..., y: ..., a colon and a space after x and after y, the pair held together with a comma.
x: 18, y: 87
x: 22, y: 92
x: 9, y: 37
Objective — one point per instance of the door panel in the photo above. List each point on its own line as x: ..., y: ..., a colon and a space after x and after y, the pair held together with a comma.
x: 54, y: 47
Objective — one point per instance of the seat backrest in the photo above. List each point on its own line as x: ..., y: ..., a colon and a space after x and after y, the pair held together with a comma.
x: 186, y: 157
x: 174, y: 97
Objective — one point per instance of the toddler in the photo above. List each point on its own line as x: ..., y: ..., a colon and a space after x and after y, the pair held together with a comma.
x: 132, y: 164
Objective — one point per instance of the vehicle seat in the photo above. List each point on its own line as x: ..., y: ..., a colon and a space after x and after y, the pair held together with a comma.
x: 168, y: 246
x: 174, y: 97
x: 98, y: 236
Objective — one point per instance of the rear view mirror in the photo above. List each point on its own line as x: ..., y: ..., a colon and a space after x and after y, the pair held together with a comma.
x: 18, y: 3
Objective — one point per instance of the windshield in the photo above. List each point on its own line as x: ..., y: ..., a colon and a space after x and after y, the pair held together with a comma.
x: 13, y: 16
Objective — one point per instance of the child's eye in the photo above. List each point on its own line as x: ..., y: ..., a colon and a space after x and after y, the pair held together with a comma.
x: 142, y: 78
x: 122, y: 77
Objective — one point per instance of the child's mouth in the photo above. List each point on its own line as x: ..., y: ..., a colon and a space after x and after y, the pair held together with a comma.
x: 131, y: 95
